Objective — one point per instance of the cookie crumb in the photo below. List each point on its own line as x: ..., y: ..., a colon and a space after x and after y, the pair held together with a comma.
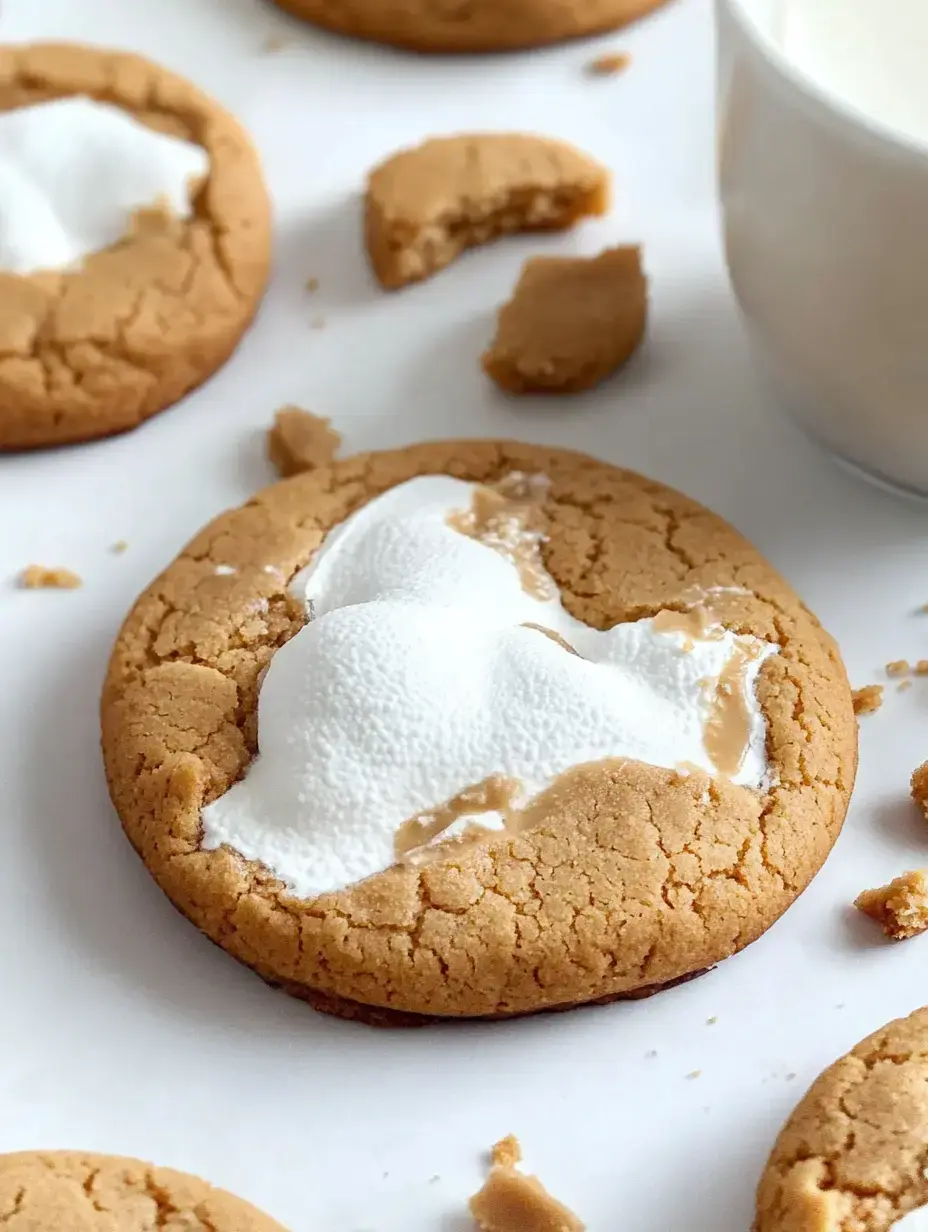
x: 710, y: 1022
x: 920, y: 668
x: 507, y: 1152
x: 903, y: 686
x: 119, y: 547
x: 425, y: 206
x: 312, y: 284
x: 317, y: 323
x: 869, y: 699
x: 301, y: 441
x: 511, y: 1201
x: 39, y: 577
x: 898, y: 667
x: 919, y: 787
x: 694, y: 1073
x: 277, y: 42
x: 571, y: 322
x: 610, y: 64
x: 901, y: 907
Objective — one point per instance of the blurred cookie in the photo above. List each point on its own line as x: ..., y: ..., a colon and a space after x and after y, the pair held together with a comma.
x: 134, y: 241
x: 470, y: 25
x: 69, y: 1191
x: 851, y: 1158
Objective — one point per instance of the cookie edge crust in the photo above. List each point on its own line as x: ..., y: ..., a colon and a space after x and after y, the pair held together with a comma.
x: 429, y: 40
x: 177, y: 786
x: 243, y: 250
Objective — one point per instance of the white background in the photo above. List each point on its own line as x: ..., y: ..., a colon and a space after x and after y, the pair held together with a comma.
x: 121, y: 1028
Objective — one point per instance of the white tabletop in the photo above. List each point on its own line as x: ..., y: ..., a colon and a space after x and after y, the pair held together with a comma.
x: 122, y: 1029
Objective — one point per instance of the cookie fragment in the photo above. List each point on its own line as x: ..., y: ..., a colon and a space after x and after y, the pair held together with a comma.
x: 39, y: 577
x: 919, y: 787
x: 301, y: 441
x: 901, y: 907
x: 426, y: 205
x: 610, y: 64
x: 898, y: 667
x: 511, y: 1201
x: 571, y: 322
x: 868, y: 699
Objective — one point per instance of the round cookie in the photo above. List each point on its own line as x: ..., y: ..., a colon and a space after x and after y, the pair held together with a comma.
x: 851, y: 1158
x: 95, y: 350
x: 635, y: 877
x: 470, y: 25
x: 67, y: 1191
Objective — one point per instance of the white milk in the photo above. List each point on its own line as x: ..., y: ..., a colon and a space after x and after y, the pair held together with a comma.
x: 869, y: 53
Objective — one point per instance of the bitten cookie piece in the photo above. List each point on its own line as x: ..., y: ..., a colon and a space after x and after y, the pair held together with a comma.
x: 851, y: 1158
x: 69, y: 1191
x: 570, y: 323
x: 476, y: 25
x: 512, y: 1201
x: 426, y: 205
x: 470, y: 853
x: 134, y: 241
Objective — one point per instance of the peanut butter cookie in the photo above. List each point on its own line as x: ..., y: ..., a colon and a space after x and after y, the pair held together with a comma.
x: 470, y: 25
x: 534, y: 732
x: 136, y: 244
x: 68, y: 1191
x: 571, y: 322
x: 427, y: 205
x: 851, y: 1158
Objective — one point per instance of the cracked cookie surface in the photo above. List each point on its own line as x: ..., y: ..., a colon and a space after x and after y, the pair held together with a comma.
x: 67, y: 1191
x: 470, y: 25
x: 638, y: 877
x: 97, y: 350
x: 853, y: 1156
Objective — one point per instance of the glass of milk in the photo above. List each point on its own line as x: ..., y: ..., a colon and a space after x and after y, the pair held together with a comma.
x: 823, y: 163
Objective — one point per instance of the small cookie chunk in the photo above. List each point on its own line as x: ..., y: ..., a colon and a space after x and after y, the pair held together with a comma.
x: 70, y: 1191
x: 571, y: 322
x: 851, y: 1158
x: 123, y: 294
x: 868, y: 699
x: 441, y: 895
x: 919, y: 787
x: 471, y: 26
x: 610, y: 64
x: 898, y: 667
x: 426, y: 205
x: 299, y: 441
x: 511, y: 1201
x: 900, y: 907
x: 39, y: 577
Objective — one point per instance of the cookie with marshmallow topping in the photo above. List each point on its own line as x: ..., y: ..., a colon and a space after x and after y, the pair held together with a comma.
x: 134, y: 241
x: 476, y: 729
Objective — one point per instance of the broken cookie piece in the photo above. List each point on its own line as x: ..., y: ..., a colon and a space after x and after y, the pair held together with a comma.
x: 868, y: 699
x: 571, y: 322
x: 426, y: 205
x: 38, y: 577
x: 300, y: 441
x: 901, y: 907
x: 920, y: 787
x: 610, y: 64
x: 510, y: 1201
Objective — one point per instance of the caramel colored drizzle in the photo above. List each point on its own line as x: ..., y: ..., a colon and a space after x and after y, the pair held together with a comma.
x: 493, y: 795
x: 727, y: 730
x: 697, y: 624
x: 508, y: 517
x: 553, y: 636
